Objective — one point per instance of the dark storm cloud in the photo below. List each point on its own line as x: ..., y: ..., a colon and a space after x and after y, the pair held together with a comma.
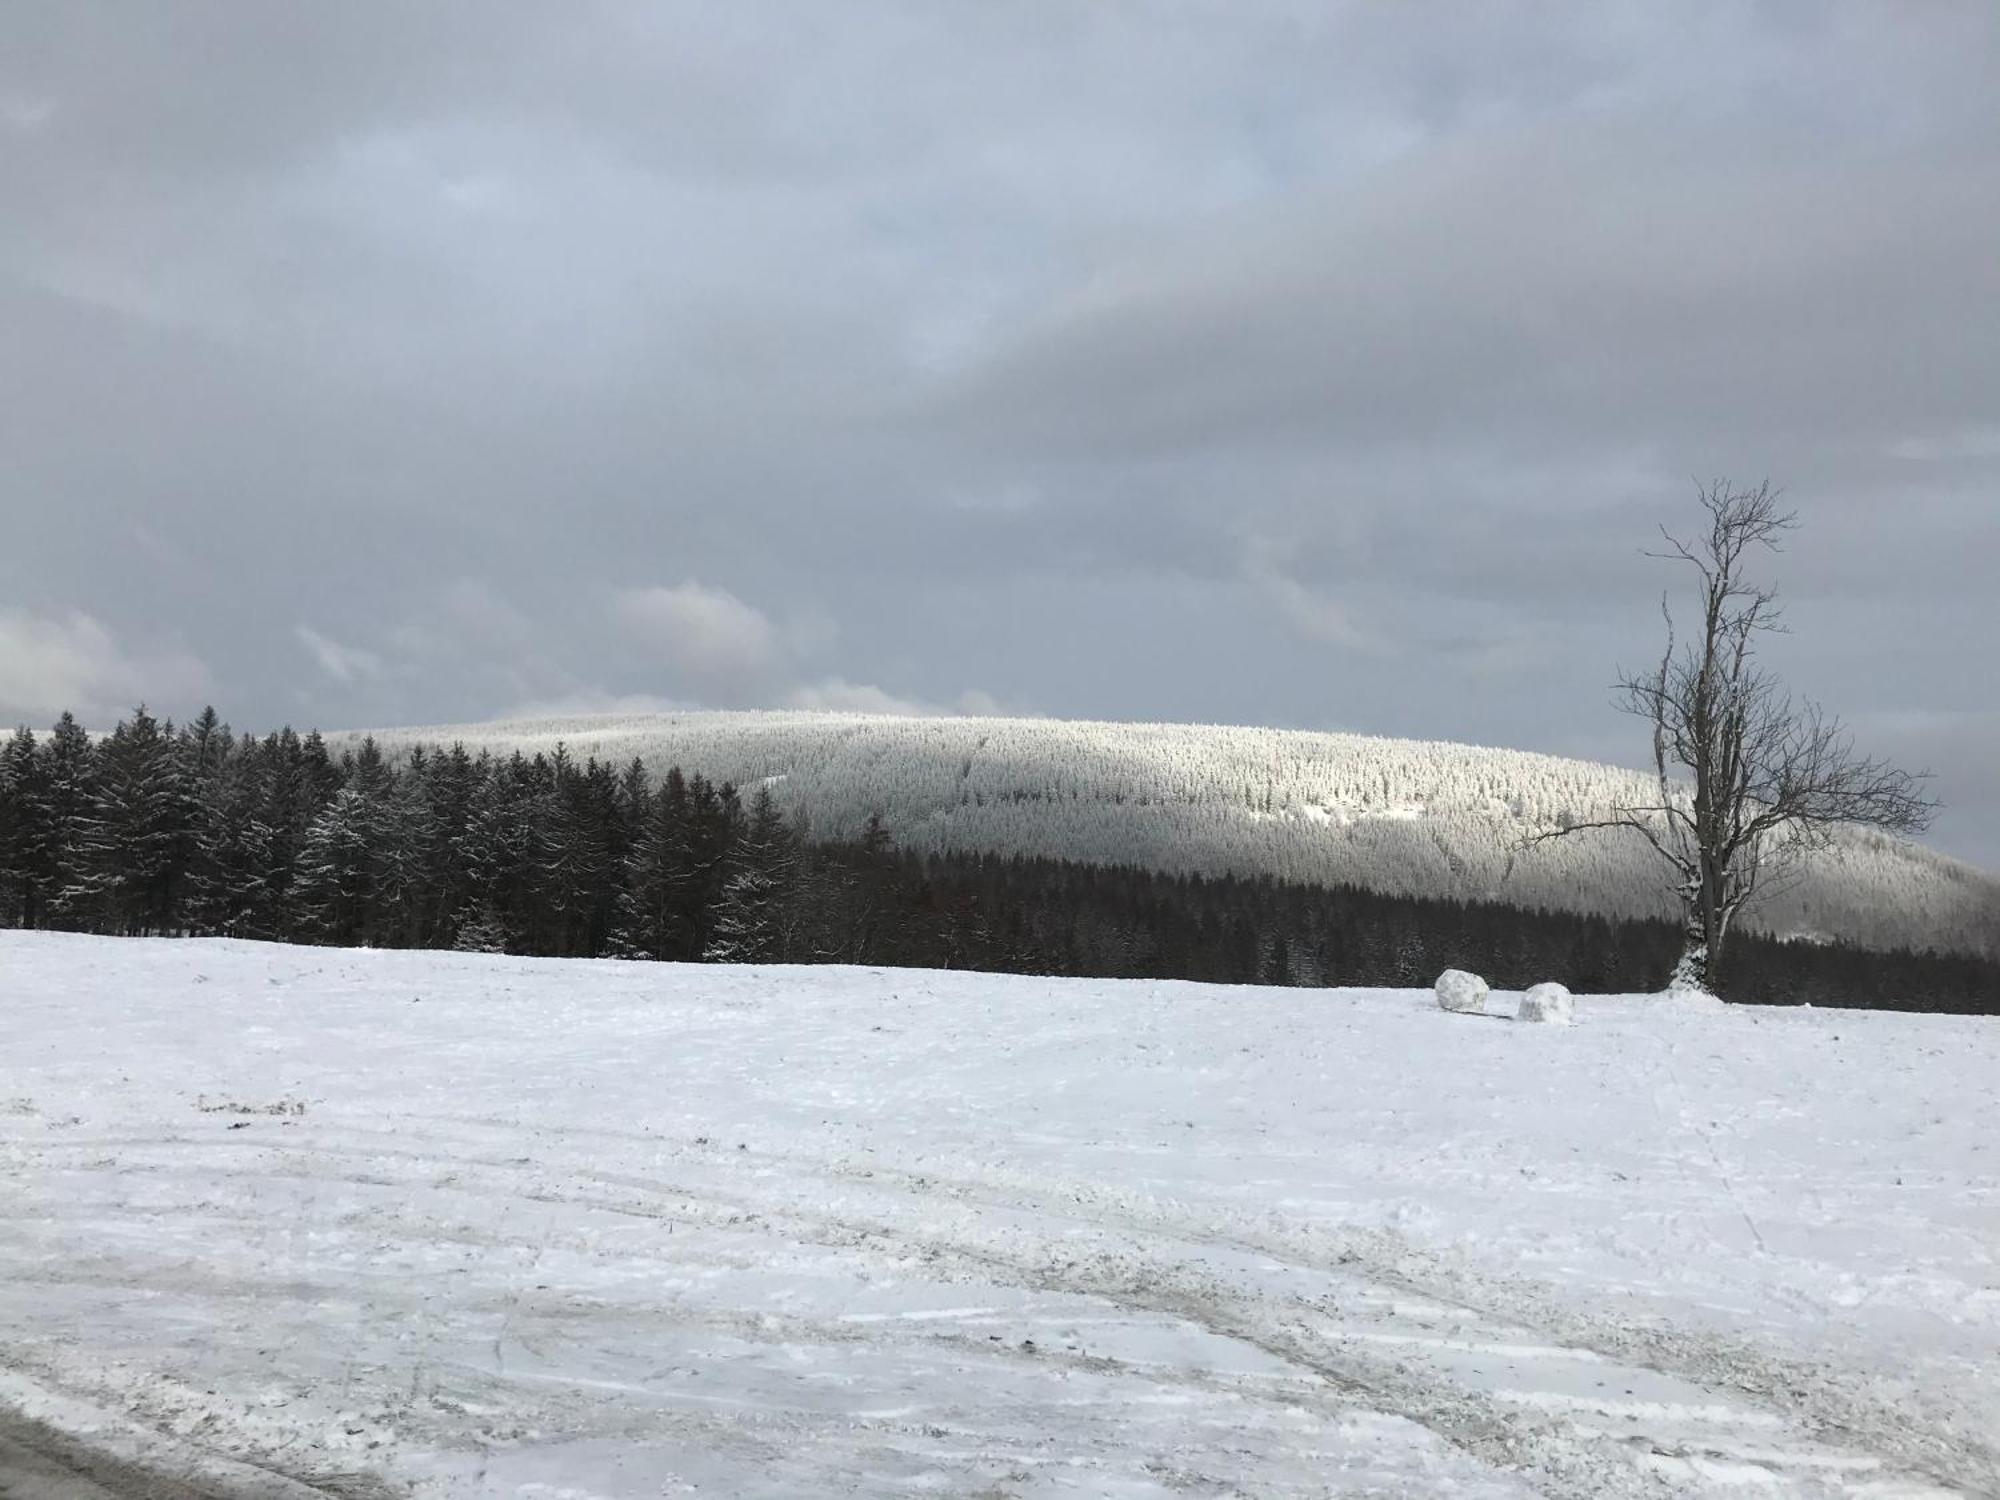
x: 1282, y: 363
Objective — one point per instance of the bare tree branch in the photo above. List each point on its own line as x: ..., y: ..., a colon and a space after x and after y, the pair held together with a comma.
x: 1748, y: 780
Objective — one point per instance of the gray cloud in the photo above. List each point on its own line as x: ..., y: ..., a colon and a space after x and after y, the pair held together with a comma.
x: 1321, y: 365
x: 72, y: 661
x: 707, y: 634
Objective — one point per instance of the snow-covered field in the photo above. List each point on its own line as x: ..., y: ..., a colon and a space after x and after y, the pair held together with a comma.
x: 452, y: 1225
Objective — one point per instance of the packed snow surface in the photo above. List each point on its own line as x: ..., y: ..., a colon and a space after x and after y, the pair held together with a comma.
x: 1409, y: 817
x: 456, y: 1225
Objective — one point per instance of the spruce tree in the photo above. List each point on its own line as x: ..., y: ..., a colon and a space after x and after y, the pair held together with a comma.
x: 334, y: 890
x: 715, y: 819
x: 451, y: 788
x: 657, y: 866
x: 403, y: 857
x: 69, y: 787
x: 140, y: 836
x: 749, y: 924
x: 229, y: 878
x: 24, y: 832
x: 480, y: 931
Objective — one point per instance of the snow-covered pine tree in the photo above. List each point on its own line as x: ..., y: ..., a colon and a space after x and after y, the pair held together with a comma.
x: 69, y: 787
x: 286, y: 807
x: 715, y: 822
x: 208, y: 742
x: 580, y: 877
x: 749, y: 919
x: 140, y: 833
x: 402, y: 857
x: 334, y: 892
x: 480, y: 930
x: 632, y: 804
x: 328, y: 873
x: 24, y: 832
x: 495, y: 847
x: 529, y: 855
x: 228, y: 878
x: 451, y: 786
x: 656, y: 867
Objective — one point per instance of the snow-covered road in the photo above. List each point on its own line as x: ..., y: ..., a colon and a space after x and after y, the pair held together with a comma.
x: 492, y: 1226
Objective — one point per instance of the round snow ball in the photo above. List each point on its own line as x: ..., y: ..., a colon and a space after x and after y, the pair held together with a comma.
x: 1548, y: 1002
x: 1460, y: 991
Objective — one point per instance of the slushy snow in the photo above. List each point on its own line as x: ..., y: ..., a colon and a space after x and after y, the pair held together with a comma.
x: 454, y: 1225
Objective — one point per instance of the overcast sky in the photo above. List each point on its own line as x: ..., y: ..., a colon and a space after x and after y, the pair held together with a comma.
x: 1289, y: 363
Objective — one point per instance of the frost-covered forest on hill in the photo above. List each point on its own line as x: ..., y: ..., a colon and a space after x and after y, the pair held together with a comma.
x: 1408, y: 817
x: 196, y: 830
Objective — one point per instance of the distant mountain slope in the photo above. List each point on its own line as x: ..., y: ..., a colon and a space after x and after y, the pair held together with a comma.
x: 1406, y: 816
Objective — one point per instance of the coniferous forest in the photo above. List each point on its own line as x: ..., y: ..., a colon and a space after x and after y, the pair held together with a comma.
x: 196, y: 830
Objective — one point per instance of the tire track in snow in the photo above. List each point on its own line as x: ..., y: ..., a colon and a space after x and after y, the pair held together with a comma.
x: 1829, y: 1407
x: 1829, y: 1410
x: 1454, y: 1360
x: 119, y: 1459
x: 393, y: 1173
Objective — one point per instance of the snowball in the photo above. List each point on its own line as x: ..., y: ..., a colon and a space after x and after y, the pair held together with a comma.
x: 1460, y: 991
x: 1547, y: 1002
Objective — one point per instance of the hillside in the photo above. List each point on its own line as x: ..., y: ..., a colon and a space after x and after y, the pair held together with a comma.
x: 1402, y: 816
x: 448, y: 1226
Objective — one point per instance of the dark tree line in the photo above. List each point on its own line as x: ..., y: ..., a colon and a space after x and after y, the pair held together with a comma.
x: 197, y: 830
x: 1017, y: 915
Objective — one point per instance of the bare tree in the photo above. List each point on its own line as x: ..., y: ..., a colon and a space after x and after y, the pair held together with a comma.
x: 1747, y: 781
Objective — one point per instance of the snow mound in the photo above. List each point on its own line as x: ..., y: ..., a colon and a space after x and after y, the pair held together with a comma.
x: 1550, y: 1003
x: 1461, y: 992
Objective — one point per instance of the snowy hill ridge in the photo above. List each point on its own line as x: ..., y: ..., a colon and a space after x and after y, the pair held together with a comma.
x: 1408, y: 817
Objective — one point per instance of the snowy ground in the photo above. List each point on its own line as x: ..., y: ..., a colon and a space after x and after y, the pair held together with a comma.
x: 456, y: 1226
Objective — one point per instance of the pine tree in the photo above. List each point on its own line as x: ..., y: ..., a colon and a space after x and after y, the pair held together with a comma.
x: 715, y: 821
x: 339, y: 883
x: 24, y: 832
x: 403, y: 857
x: 452, y: 787
x: 209, y: 742
x: 656, y: 867
x: 749, y: 920
x: 288, y: 800
x: 228, y: 883
x: 505, y: 848
x: 581, y: 876
x: 480, y: 930
x: 69, y: 787
x: 871, y: 895
x: 333, y: 895
x: 140, y: 835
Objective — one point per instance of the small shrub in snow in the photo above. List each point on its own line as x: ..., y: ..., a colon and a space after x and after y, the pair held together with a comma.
x: 1462, y: 992
x: 1547, y: 1002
